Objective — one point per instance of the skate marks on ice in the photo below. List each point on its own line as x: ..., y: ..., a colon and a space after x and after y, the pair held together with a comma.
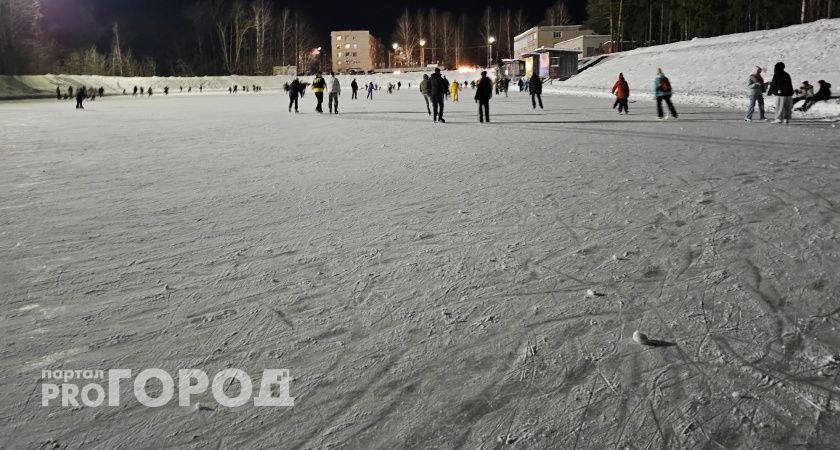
x: 426, y: 291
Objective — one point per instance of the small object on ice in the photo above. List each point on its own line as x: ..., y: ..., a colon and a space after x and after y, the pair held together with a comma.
x: 590, y: 293
x: 615, y: 257
x: 640, y: 338
x: 737, y: 395
x: 167, y: 288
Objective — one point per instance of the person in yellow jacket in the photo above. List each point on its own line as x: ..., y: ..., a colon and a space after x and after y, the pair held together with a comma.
x: 318, y: 86
x: 455, y: 87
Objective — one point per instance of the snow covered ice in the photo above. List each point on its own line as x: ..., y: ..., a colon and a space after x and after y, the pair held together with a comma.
x: 365, y: 253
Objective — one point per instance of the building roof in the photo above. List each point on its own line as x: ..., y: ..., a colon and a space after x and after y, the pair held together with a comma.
x: 550, y: 50
x: 581, y: 37
x: 549, y: 28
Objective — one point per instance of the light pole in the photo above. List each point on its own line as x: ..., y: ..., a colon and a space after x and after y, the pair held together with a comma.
x: 395, y: 46
x: 490, y: 42
x: 422, y: 52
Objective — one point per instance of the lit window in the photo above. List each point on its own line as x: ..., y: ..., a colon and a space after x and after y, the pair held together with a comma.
x: 347, y: 46
x: 355, y: 45
x: 338, y: 38
x: 339, y: 54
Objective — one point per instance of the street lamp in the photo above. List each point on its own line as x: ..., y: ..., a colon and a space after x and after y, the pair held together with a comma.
x: 490, y: 42
x: 422, y: 52
x: 395, y: 46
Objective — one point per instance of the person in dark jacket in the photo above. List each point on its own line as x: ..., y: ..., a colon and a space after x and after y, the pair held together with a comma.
x: 294, y: 92
x: 425, y: 89
x: 782, y: 87
x: 535, y: 89
x: 318, y: 87
x: 438, y: 88
x: 134, y: 93
x: 81, y: 94
x: 823, y: 94
x: 354, y: 88
x: 483, y: 94
x: 58, y: 92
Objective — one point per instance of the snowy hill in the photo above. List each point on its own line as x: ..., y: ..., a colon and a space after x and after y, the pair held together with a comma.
x: 714, y: 71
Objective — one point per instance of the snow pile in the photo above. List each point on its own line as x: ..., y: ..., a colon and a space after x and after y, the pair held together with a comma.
x: 714, y: 71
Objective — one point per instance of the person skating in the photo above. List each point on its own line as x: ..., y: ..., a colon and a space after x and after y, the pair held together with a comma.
x: 756, y: 87
x: 370, y: 88
x: 318, y: 86
x: 782, y: 87
x: 521, y: 84
x: 535, y: 89
x: 438, y: 88
x: 150, y: 91
x: 166, y: 90
x: 622, y: 92
x: 101, y: 91
x: 446, y: 91
x: 134, y: 94
x: 354, y: 88
x: 294, y: 93
x: 662, y: 91
x: 334, y: 90
x: 823, y: 94
x: 80, y: 98
x: 483, y: 94
x: 425, y: 89
x: 455, y: 88
x: 399, y: 85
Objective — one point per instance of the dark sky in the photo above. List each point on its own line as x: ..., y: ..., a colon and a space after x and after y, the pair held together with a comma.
x: 148, y: 26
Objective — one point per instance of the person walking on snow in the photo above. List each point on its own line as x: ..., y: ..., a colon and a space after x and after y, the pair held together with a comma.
x: 622, y: 92
x: 334, y: 89
x: 425, y: 87
x: 318, y: 86
x: 756, y: 87
x: 455, y: 89
x: 294, y: 92
x: 438, y: 88
x: 535, y: 89
x: 370, y: 88
x: 662, y: 91
x: 354, y: 88
x: 782, y: 87
x: 483, y: 94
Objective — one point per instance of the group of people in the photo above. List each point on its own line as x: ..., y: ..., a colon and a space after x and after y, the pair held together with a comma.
x: 81, y: 94
x: 253, y: 88
x: 662, y: 91
x: 782, y: 87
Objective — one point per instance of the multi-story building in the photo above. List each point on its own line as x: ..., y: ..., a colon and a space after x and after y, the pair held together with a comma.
x: 355, y: 50
x: 545, y: 37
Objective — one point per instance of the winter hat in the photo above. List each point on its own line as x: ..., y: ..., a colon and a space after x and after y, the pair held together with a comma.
x: 780, y: 66
x: 757, y: 70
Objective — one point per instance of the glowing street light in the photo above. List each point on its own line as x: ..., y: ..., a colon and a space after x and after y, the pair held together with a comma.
x: 490, y: 42
x: 422, y: 52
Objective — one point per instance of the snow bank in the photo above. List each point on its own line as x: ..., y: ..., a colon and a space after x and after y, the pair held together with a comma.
x: 714, y: 71
x: 37, y: 86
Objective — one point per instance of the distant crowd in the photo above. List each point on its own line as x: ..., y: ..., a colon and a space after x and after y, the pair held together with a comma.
x: 435, y: 89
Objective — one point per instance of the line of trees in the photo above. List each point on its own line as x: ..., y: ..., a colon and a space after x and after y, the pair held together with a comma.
x: 252, y: 36
x: 651, y: 22
x: 451, y: 41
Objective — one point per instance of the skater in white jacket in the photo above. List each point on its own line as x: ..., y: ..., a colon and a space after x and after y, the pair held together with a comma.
x: 334, y: 89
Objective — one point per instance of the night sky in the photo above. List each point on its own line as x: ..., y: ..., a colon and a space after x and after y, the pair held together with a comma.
x: 150, y: 26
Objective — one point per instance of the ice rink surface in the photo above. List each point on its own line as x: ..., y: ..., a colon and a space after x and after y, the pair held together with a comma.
x: 426, y: 284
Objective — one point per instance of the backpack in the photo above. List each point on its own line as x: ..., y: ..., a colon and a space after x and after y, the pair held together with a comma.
x: 664, y: 85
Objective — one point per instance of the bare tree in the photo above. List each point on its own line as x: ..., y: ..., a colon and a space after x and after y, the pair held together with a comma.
x: 406, y: 35
x: 558, y: 14
x: 117, y: 64
x: 433, y: 30
x: 261, y: 17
